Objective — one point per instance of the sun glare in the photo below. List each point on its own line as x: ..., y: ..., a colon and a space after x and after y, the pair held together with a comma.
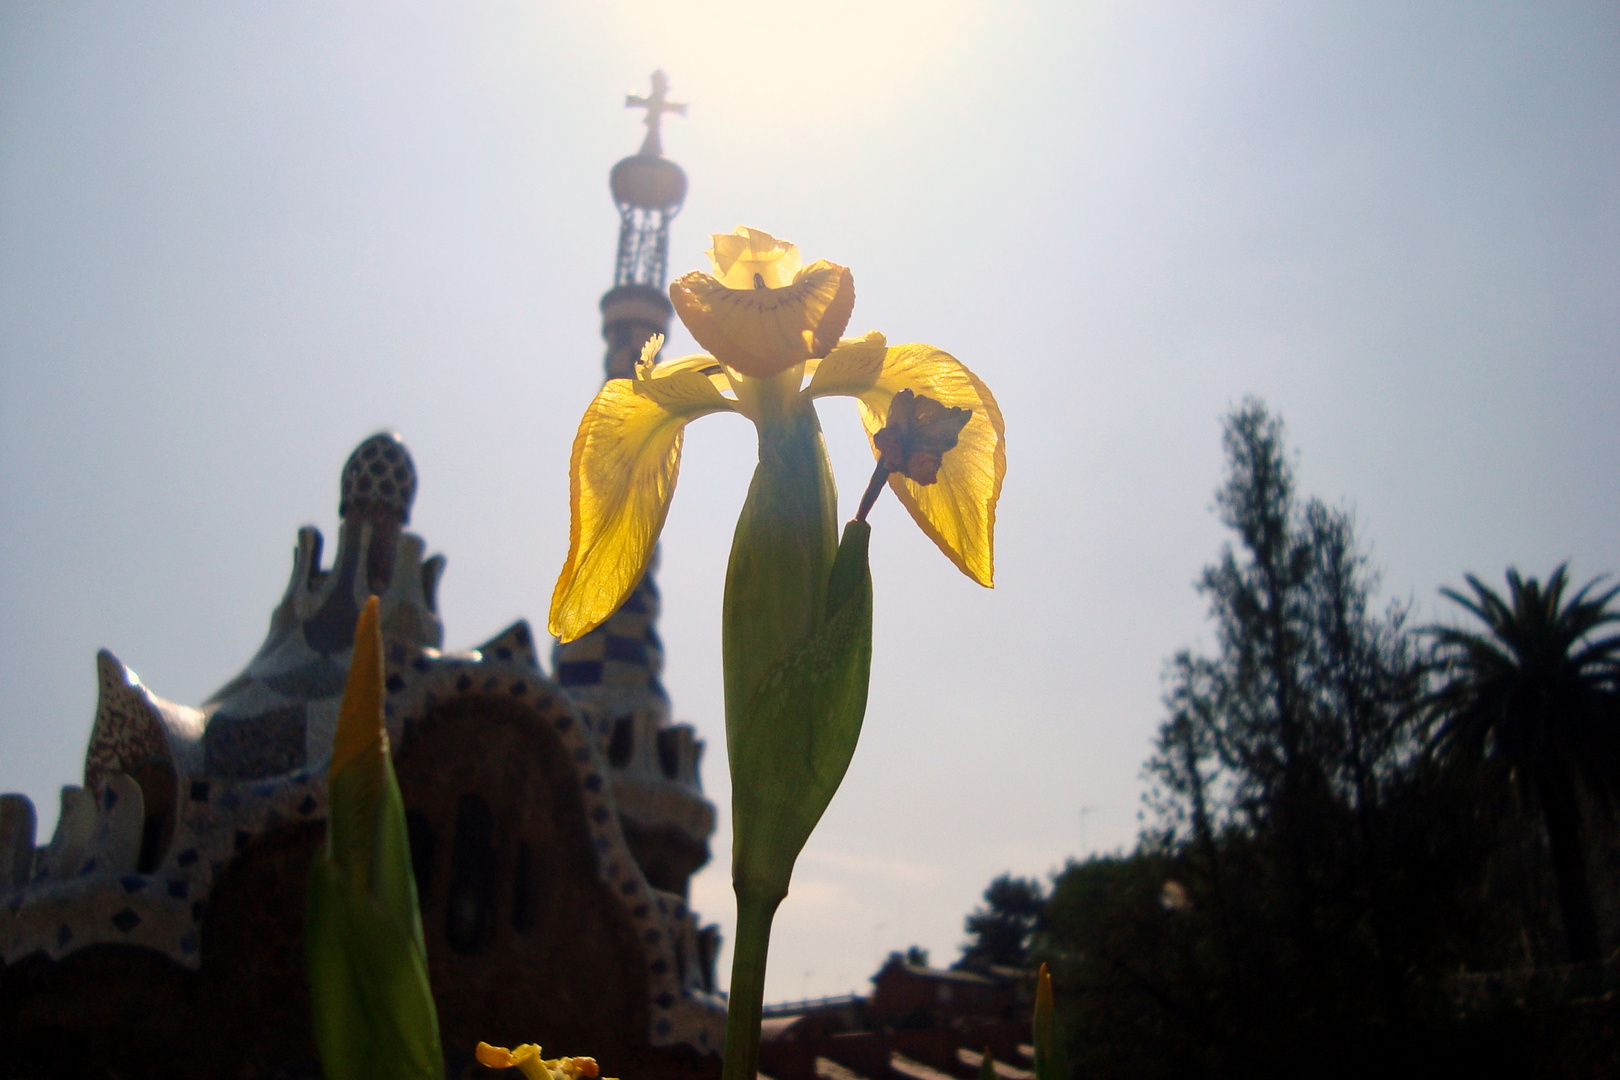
x: 852, y: 60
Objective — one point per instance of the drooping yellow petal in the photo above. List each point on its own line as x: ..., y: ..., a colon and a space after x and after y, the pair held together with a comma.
x: 688, y: 385
x: 744, y: 252
x: 958, y: 511
x: 626, y: 457
x: 763, y: 331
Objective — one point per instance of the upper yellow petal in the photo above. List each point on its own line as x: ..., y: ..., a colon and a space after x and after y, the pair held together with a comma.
x: 958, y: 511
x: 625, y: 461
x: 744, y: 252
x: 761, y: 332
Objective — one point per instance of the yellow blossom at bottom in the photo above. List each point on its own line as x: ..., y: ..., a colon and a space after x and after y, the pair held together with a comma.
x: 527, y: 1059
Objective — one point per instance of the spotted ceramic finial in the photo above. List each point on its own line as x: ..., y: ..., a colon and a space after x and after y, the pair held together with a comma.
x: 379, y: 476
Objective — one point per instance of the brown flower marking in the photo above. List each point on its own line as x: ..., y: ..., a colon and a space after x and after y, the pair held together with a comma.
x: 912, y: 442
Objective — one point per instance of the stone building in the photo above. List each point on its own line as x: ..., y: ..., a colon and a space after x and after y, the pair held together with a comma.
x: 912, y: 995
x: 920, y: 1023
x: 555, y: 819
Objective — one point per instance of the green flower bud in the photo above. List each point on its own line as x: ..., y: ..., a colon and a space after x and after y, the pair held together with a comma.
x: 798, y: 648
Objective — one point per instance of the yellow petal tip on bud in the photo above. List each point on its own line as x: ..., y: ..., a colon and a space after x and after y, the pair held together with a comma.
x: 360, y: 717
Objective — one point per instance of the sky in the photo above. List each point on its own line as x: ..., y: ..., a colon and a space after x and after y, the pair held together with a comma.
x: 236, y: 239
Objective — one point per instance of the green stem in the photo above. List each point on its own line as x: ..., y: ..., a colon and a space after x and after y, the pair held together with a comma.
x: 747, y: 996
x: 874, y: 488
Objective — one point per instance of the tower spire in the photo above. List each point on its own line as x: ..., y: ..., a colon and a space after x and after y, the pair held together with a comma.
x: 614, y: 674
x: 614, y: 671
x: 656, y: 104
x: 648, y: 189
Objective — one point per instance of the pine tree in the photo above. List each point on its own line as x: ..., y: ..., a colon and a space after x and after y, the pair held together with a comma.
x: 1281, y: 744
x: 1002, y: 928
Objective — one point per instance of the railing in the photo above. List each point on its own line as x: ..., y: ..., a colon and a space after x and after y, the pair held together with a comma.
x: 790, y: 1008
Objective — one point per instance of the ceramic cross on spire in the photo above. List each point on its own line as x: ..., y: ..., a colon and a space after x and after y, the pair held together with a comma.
x: 656, y: 105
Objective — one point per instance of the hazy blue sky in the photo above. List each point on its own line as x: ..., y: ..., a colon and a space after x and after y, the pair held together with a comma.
x: 235, y: 239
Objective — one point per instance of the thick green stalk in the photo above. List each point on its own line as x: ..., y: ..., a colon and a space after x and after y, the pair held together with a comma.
x: 797, y: 635
x: 781, y: 554
x: 747, y: 996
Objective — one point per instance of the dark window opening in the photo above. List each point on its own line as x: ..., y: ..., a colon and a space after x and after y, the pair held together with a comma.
x: 669, y: 752
x: 155, y: 832
x: 158, y: 785
x: 471, y: 894
x: 622, y: 742
x: 419, y: 833
x: 708, y: 944
x: 522, y: 891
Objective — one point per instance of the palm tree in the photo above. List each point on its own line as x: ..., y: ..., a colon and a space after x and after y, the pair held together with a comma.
x: 1539, y: 693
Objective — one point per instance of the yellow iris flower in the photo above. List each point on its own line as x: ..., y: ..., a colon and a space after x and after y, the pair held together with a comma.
x: 761, y: 313
x: 773, y: 328
x: 527, y: 1060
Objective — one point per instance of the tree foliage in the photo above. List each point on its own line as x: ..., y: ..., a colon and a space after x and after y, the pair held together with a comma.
x: 1538, y: 691
x: 1001, y: 930
x: 1310, y: 875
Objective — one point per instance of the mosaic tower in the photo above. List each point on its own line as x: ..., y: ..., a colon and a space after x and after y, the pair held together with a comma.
x: 613, y: 674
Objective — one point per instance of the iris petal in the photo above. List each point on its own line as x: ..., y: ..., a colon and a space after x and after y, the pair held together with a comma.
x: 762, y: 332
x: 958, y: 511
x: 625, y: 461
x: 852, y: 368
x: 744, y: 252
x: 496, y: 1057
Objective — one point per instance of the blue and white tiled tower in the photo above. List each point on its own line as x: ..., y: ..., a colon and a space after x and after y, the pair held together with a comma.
x: 613, y: 674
